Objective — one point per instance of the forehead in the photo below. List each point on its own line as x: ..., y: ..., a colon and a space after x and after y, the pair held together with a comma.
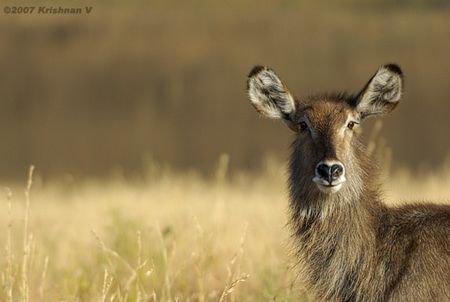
x: 325, y: 113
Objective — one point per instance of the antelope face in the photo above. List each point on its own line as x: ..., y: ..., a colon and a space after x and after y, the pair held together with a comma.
x: 325, y: 125
x: 325, y: 129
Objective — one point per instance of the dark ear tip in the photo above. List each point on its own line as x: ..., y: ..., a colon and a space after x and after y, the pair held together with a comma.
x: 255, y: 70
x: 394, y: 68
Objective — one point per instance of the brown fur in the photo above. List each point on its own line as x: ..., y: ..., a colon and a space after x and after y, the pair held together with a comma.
x: 350, y: 245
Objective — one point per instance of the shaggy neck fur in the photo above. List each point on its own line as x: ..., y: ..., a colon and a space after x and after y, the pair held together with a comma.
x: 336, y: 233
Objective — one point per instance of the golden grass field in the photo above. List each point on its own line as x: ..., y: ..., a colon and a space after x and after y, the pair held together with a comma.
x: 169, y: 237
x: 166, y: 78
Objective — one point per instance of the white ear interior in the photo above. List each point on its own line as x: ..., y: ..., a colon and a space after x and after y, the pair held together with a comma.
x: 382, y: 92
x: 269, y: 95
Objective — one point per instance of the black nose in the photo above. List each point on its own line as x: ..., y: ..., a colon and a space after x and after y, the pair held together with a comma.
x: 330, y: 173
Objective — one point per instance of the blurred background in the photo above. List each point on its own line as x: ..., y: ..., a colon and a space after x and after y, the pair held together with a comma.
x: 164, y: 81
x: 155, y: 179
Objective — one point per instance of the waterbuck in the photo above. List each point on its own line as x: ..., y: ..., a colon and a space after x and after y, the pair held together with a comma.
x: 351, y: 246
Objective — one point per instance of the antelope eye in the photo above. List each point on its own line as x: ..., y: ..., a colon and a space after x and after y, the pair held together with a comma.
x: 303, y: 126
x: 350, y: 125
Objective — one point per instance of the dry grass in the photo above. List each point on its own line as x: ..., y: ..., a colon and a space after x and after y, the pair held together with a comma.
x: 171, y: 237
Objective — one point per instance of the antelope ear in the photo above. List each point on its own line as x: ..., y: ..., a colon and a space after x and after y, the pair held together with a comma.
x: 382, y: 93
x: 269, y: 95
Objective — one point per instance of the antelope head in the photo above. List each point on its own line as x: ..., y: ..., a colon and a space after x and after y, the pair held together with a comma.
x: 326, y: 145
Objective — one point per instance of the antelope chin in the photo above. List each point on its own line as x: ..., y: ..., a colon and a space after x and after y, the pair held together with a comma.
x: 329, y: 189
x: 326, y: 187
